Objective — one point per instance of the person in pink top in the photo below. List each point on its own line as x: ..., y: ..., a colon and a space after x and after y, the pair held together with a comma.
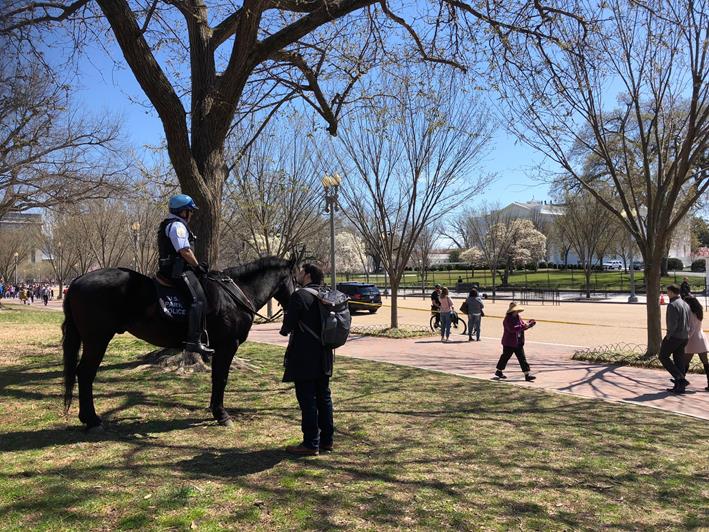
x: 513, y: 341
x: 446, y: 310
x: 697, y: 342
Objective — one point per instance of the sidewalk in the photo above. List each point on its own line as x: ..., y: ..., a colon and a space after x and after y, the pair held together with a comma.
x: 550, y: 362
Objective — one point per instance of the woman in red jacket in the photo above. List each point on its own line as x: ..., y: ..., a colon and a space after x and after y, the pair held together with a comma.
x: 513, y: 341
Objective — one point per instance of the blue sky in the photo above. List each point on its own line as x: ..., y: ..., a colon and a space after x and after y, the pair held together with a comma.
x: 106, y: 89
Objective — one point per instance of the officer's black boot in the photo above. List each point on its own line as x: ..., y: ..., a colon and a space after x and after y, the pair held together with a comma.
x: 194, y: 332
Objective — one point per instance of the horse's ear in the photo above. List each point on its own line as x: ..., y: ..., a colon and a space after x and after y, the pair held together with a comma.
x: 296, y: 256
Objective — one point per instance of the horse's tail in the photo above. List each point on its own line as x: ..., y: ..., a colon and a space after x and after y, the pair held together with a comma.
x: 71, y: 342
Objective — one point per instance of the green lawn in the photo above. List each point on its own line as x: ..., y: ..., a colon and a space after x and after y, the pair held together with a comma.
x: 567, y: 280
x: 414, y: 450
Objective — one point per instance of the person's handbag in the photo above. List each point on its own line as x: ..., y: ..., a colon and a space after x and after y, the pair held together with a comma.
x: 464, y: 307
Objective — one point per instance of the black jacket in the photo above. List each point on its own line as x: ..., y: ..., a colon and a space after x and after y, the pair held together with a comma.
x: 305, y: 357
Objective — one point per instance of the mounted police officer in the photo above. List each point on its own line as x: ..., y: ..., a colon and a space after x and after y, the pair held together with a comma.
x: 179, y: 264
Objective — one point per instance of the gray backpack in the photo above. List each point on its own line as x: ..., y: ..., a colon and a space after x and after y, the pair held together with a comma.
x: 335, y: 319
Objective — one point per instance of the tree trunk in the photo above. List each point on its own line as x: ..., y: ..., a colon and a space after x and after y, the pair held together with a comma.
x: 664, y: 272
x: 654, y: 316
x: 494, y: 276
x: 587, y: 275
x: 60, y: 296
x: 394, y: 293
x: 207, y: 219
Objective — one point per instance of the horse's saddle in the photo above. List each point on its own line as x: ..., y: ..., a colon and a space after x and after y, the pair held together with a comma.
x: 173, y: 302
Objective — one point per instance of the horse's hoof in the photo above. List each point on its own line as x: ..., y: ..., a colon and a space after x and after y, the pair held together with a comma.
x: 226, y: 423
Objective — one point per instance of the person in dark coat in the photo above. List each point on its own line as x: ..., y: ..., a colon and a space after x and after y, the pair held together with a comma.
x: 513, y: 342
x: 677, y: 320
x: 309, y: 365
x: 684, y: 289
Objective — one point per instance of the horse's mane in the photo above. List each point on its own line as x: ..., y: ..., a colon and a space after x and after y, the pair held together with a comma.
x: 264, y: 263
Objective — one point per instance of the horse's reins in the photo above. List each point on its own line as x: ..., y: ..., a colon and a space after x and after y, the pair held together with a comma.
x: 237, y: 294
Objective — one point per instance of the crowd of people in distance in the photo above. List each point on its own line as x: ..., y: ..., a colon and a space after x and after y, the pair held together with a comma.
x: 27, y: 293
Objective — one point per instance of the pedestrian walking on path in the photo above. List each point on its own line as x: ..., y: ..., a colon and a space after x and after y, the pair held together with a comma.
x: 513, y: 341
x: 697, y: 342
x: 674, y: 342
x: 474, y: 306
x: 446, y: 311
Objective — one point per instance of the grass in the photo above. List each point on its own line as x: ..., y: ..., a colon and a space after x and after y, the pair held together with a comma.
x: 607, y: 280
x: 628, y: 355
x: 382, y: 331
x: 415, y: 450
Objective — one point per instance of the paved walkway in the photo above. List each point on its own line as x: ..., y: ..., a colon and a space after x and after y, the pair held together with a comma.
x: 550, y: 362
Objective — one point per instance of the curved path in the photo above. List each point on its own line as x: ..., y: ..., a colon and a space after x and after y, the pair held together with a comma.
x: 550, y: 362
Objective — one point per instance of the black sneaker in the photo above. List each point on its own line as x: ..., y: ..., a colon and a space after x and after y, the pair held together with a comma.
x: 500, y: 375
x: 529, y: 378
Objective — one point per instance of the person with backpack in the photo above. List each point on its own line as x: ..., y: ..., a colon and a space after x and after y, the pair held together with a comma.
x: 308, y: 364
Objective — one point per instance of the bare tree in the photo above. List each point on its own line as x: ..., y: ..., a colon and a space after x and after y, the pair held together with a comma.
x: 58, y: 244
x: 16, y: 244
x: 50, y: 152
x: 646, y: 146
x: 143, y: 216
x: 492, y: 233
x: 105, y: 226
x: 270, y: 201
x: 251, y: 59
x: 408, y: 161
x: 424, y: 246
x: 587, y: 232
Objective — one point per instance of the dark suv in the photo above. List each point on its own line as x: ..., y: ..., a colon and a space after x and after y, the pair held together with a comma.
x: 363, y: 296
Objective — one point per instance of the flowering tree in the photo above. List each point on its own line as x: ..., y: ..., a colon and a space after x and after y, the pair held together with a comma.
x: 351, y: 253
x: 524, y: 244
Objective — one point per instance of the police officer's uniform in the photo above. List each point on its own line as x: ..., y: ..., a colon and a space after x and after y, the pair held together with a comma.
x: 174, y: 235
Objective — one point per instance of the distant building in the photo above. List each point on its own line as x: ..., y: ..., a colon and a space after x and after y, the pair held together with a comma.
x: 544, y: 213
x: 18, y: 220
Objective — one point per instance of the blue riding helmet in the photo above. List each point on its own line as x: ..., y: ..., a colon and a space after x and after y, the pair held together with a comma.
x: 181, y: 202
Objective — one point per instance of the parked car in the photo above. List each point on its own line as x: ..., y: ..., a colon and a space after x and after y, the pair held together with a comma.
x: 363, y: 296
x: 613, y: 265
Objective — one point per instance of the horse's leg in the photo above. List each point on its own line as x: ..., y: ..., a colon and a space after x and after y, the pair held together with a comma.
x: 221, y: 363
x: 91, y: 358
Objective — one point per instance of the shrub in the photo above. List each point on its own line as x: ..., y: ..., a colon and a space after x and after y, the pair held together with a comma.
x: 675, y: 265
x: 543, y: 264
x: 699, y: 265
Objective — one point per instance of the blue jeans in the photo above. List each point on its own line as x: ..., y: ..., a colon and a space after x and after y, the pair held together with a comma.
x: 474, y: 325
x: 315, y: 404
x: 445, y: 324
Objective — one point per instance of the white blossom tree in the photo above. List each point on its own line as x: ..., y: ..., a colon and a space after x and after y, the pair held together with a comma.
x: 350, y: 256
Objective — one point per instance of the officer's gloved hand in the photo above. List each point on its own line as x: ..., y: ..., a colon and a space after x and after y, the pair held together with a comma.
x: 202, y: 269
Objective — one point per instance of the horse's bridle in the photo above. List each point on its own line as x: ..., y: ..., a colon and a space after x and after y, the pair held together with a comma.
x: 228, y: 284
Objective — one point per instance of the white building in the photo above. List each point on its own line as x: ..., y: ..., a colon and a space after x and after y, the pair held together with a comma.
x: 543, y: 215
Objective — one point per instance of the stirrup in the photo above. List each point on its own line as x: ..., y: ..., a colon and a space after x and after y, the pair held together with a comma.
x: 198, y: 347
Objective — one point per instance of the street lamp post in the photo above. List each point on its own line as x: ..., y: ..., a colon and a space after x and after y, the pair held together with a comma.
x: 331, y: 184
x: 632, y: 298
x: 16, y: 257
x: 135, y: 228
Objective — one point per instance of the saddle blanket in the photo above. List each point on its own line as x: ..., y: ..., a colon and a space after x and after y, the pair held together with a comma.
x: 173, y: 303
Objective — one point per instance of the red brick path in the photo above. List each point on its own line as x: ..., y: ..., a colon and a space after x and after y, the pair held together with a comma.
x: 551, y: 363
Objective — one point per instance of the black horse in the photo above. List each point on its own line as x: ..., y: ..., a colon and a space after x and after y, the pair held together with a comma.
x: 111, y: 301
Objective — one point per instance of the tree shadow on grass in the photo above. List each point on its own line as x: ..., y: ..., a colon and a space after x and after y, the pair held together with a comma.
x: 39, y: 439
